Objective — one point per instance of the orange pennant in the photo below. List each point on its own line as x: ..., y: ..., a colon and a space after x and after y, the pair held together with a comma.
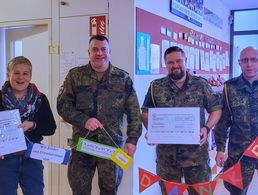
x: 205, y: 188
x: 146, y: 179
x: 173, y: 188
x: 252, y: 150
x: 233, y: 175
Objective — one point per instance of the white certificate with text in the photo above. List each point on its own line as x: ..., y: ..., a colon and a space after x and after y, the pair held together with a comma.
x: 11, y: 137
x: 180, y: 125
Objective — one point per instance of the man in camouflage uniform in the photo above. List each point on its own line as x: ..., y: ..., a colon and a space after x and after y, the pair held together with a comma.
x: 94, y: 96
x: 240, y: 116
x: 180, y: 89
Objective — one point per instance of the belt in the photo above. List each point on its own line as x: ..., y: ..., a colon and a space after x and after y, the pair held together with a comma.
x: 20, y: 153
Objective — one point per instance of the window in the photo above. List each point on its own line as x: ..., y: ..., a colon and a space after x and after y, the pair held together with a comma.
x: 17, y: 48
x: 244, y: 33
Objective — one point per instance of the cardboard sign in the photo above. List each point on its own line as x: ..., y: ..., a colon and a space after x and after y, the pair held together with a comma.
x: 48, y: 153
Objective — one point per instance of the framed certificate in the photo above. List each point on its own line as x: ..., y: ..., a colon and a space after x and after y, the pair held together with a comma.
x: 179, y: 125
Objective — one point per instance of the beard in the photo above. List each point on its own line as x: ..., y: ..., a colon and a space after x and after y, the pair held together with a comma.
x: 176, y: 76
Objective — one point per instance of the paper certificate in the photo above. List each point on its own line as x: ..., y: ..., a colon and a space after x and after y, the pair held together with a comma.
x: 174, y: 125
x: 11, y: 137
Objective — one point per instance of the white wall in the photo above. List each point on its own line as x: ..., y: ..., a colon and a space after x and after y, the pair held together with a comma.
x: 17, y: 10
x: 121, y: 34
x: 2, y: 57
x: 121, y: 37
x: 161, y: 8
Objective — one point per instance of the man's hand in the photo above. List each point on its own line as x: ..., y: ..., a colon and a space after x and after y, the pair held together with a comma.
x: 130, y: 149
x: 92, y: 124
x: 220, y: 159
x: 146, y: 137
x: 203, y: 136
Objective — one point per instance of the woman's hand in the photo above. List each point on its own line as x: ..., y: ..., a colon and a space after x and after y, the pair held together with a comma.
x: 27, y: 125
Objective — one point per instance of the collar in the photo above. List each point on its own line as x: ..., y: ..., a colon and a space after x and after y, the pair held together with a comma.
x: 242, y: 83
x: 188, y: 80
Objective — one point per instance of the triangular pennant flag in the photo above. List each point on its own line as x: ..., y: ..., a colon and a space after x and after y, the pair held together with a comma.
x: 252, y: 150
x: 233, y: 175
x: 146, y: 179
x: 205, y: 188
x: 174, y: 188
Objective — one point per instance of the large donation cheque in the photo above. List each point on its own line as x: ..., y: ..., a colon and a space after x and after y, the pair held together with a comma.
x: 180, y: 125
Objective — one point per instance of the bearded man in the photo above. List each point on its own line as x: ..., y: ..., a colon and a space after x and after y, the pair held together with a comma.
x: 181, y: 89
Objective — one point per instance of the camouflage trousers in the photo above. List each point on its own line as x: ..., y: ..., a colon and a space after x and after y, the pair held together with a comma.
x: 192, y: 175
x: 81, y: 170
x: 248, y: 166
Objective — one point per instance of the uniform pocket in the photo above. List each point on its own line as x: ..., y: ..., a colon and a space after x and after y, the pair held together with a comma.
x: 84, y: 98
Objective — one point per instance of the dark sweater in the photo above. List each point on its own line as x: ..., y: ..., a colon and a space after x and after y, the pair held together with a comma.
x: 44, y: 119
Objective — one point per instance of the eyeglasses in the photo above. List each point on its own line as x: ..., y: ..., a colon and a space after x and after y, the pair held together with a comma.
x: 246, y: 60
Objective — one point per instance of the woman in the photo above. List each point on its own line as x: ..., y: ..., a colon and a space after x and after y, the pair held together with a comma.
x: 37, y: 121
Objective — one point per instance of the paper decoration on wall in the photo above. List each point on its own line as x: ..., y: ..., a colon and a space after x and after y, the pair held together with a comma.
x: 202, y: 63
x: 143, y: 53
x: 233, y: 175
x: 205, y: 187
x: 168, y: 32
x: 155, y: 56
x: 173, y: 188
x: 163, y: 30
x: 252, y: 150
x: 146, y: 179
x: 164, y: 46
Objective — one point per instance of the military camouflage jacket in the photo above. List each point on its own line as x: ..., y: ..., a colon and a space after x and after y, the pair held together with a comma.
x: 243, y: 124
x: 83, y: 97
x: 195, y: 92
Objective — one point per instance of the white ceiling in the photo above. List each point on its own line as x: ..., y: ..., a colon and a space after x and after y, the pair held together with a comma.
x: 240, y: 4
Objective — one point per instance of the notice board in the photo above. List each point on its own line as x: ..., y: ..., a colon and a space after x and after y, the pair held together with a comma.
x: 205, y: 54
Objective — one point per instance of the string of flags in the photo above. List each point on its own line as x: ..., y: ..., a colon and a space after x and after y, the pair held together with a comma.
x: 232, y: 175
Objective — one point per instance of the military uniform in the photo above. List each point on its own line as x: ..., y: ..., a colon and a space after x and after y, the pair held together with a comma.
x: 171, y: 158
x: 241, y: 127
x: 84, y: 95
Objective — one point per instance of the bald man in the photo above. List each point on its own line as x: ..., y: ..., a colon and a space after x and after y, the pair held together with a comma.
x: 239, y: 120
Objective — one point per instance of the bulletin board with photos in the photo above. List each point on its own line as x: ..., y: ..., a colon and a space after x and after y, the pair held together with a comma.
x: 206, y: 56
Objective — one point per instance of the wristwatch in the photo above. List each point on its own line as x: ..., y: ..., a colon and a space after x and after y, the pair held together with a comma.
x: 208, y: 128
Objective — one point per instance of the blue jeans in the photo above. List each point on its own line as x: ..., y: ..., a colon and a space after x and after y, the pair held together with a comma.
x: 16, y: 170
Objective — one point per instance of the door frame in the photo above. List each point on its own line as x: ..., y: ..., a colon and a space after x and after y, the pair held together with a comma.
x: 3, y: 25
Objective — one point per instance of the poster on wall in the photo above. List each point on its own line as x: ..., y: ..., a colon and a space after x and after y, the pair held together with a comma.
x: 190, y: 10
x: 206, y: 56
x: 143, y: 53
